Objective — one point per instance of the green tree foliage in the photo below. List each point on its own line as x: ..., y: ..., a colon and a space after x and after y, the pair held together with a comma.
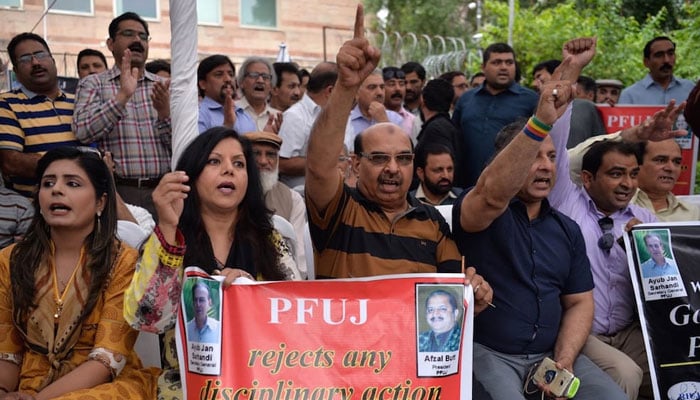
x: 541, y: 27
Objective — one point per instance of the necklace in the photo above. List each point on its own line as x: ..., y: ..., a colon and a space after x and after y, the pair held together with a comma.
x: 59, y: 299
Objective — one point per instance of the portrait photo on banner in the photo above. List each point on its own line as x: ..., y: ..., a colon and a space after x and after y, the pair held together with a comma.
x: 201, y: 300
x: 657, y: 264
x: 439, y: 327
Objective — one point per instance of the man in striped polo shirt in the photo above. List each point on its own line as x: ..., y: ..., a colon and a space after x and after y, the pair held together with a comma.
x: 376, y: 229
x: 34, y: 118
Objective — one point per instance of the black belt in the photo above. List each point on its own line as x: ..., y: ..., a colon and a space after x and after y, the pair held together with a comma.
x: 137, y: 182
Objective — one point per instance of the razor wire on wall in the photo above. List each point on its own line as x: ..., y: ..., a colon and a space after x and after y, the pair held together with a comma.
x: 437, y: 54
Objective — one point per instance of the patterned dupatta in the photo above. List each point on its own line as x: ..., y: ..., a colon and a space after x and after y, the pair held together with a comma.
x: 56, y: 338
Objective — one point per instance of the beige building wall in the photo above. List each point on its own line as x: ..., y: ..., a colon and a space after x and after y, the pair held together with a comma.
x: 300, y: 25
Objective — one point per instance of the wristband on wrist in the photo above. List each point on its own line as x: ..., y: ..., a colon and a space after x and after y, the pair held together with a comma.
x: 536, y: 129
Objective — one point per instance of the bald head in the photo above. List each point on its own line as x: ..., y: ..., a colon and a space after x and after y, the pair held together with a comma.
x: 384, y: 165
x: 381, y: 130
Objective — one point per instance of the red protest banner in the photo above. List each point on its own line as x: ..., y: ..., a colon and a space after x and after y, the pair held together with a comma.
x: 369, y: 338
x: 625, y: 116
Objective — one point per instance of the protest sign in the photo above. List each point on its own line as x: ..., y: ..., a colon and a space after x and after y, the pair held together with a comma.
x: 666, y: 279
x: 397, y: 336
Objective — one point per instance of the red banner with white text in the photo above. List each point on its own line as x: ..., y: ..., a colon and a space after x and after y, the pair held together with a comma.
x: 390, y: 337
x: 625, y: 116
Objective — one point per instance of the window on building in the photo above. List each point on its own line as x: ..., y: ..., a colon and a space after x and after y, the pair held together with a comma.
x: 71, y: 6
x: 11, y: 3
x: 259, y: 13
x: 209, y: 12
x: 147, y: 9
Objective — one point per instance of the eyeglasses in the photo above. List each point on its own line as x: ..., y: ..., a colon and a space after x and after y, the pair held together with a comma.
x: 344, y: 158
x: 256, y: 75
x: 606, y: 241
x: 393, y: 74
x: 380, y: 159
x: 27, y: 58
x: 129, y: 33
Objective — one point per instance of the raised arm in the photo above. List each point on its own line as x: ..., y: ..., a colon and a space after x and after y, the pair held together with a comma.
x: 505, y: 175
x: 356, y: 60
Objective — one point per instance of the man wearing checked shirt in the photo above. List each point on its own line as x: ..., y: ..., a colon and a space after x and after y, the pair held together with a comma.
x: 126, y: 110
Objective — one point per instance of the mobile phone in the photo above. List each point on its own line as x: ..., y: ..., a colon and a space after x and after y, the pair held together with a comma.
x: 562, y: 383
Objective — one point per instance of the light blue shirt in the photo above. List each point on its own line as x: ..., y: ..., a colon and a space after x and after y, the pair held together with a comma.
x: 211, y: 114
x: 360, y: 122
x: 647, y: 91
x: 651, y: 270
x: 208, y: 334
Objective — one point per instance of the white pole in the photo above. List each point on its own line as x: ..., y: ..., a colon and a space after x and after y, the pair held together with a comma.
x: 511, y: 21
x: 184, y: 105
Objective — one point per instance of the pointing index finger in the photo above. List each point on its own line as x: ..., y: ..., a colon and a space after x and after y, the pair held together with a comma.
x: 359, y: 23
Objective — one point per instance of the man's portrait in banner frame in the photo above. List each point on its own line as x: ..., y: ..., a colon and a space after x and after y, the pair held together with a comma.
x: 439, y: 314
x: 202, y: 310
x: 655, y: 255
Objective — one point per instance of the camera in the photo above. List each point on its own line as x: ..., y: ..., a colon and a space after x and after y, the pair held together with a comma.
x: 562, y: 383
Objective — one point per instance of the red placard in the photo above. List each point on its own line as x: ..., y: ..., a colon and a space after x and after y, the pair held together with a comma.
x: 331, y: 339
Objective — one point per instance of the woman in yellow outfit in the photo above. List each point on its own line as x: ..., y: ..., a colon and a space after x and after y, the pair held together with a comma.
x: 62, y: 330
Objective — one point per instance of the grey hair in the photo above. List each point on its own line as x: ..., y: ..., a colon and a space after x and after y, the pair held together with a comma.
x: 252, y: 60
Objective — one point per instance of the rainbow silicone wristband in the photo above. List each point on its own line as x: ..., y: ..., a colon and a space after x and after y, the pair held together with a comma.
x: 536, y: 129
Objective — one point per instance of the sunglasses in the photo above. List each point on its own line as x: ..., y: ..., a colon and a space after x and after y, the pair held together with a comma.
x: 393, y: 74
x: 606, y: 241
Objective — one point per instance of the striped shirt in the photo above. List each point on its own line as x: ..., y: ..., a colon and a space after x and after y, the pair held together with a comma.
x: 34, y: 124
x: 139, y: 142
x: 354, y: 238
x: 16, y: 214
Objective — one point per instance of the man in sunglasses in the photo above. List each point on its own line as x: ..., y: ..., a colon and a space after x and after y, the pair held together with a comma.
x: 602, y: 206
x: 533, y: 255
x: 34, y: 118
x: 394, y: 93
x: 126, y: 110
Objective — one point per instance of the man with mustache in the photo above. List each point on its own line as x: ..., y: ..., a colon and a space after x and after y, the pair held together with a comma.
x: 216, y: 76
x: 482, y: 112
x: 126, y: 110
x: 279, y: 198
x: 601, y: 205
x: 659, y: 169
x: 34, y: 118
x: 369, y: 109
x: 442, y: 314
x: 660, y: 85
x: 507, y: 227
x: 394, y: 93
x: 287, y: 91
x: 435, y: 169
x: 376, y: 228
x: 255, y: 80
x: 510, y: 228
